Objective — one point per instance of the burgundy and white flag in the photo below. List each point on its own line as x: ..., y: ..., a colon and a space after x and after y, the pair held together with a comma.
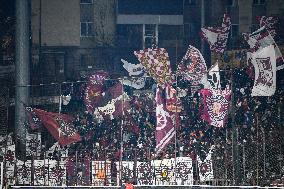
x: 133, y: 69
x: 217, y: 37
x: 264, y: 63
x: 262, y: 38
x: 157, y: 64
x: 205, y: 168
x: 215, y: 106
x: 270, y: 22
x: 166, y: 120
x: 213, y: 77
x: 173, y: 102
x: 94, y: 91
x: 193, y: 67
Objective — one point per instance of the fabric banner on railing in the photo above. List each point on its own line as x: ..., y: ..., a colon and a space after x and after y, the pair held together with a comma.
x: 205, y: 168
x: 33, y: 144
x: 24, y: 174
x: 127, y: 168
x: 39, y: 172
x: 101, y: 173
x: 164, y: 171
x: 10, y: 160
x: 56, y: 173
x: 184, y: 171
x: 145, y: 173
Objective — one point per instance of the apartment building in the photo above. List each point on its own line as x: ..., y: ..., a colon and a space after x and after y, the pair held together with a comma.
x: 71, y: 38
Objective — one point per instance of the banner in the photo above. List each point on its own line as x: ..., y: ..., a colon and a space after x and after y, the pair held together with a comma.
x: 145, y: 173
x: 184, y: 171
x: 40, y: 170
x: 56, y: 173
x: 205, y: 168
x: 264, y: 62
x: 33, y: 145
x: 24, y: 172
x: 164, y: 171
x: 101, y: 173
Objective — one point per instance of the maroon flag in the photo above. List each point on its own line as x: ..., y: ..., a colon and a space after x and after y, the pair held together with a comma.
x: 215, y: 106
x: 173, y: 102
x: 270, y: 23
x: 157, y: 64
x: 94, y: 90
x: 165, y: 129
x: 60, y: 126
x: 33, y: 119
x: 217, y: 37
x: 261, y: 39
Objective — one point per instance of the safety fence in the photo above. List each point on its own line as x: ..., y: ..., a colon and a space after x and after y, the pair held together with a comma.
x: 248, y: 150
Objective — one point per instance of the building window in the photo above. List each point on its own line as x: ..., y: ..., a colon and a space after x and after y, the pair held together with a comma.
x: 150, y: 35
x: 86, y: 29
x: 86, y: 1
x: 258, y: 2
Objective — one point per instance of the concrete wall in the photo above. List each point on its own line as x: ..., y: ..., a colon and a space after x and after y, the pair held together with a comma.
x: 104, y: 22
x: 245, y: 15
x: 60, y: 22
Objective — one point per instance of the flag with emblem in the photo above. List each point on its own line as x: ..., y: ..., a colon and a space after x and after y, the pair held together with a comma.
x: 60, y: 126
x: 205, y: 168
x: 217, y: 37
x: 215, y: 106
x: 264, y: 62
x: 166, y: 121
x: 157, y: 64
x: 262, y: 38
x: 193, y: 67
x: 164, y: 171
x: 101, y: 173
x: 94, y: 90
x: 33, y: 119
x: 270, y: 23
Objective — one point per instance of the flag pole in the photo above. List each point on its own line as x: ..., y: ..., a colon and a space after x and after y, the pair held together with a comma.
x: 121, y: 138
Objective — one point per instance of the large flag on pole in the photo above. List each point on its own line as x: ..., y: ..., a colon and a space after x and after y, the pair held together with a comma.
x: 166, y: 120
x: 133, y: 69
x: 60, y: 126
x: 215, y: 106
x: 193, y: 67
x: 157, y: 64
x: 270, y: 23
x: 264, y: 63
x: 217, y: 37
x: 262, y: 38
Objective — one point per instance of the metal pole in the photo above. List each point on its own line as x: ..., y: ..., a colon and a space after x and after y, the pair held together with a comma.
x: 22, y: 72
x: 236, y: 155
x: 202, y: 24
x: 121, y: 138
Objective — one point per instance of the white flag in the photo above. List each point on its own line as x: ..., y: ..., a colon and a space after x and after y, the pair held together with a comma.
x: 213, y: 77
x: 264, y: 62
x: 133, y: 69
x: 137, y: 83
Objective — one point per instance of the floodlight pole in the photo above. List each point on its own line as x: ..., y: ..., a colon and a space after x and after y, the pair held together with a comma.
x: 22, y: 72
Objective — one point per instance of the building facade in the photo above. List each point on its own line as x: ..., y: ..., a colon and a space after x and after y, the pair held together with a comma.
x: 71, y: 38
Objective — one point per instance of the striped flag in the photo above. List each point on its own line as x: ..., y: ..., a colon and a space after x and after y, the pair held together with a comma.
x: 166, y: 120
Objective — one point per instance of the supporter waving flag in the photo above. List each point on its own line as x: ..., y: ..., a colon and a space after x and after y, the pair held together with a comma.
x: 157, y: 64
x: 60, y: 126
x: 262, y: 38
x: 217, y: 37
x: 264, y: 63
